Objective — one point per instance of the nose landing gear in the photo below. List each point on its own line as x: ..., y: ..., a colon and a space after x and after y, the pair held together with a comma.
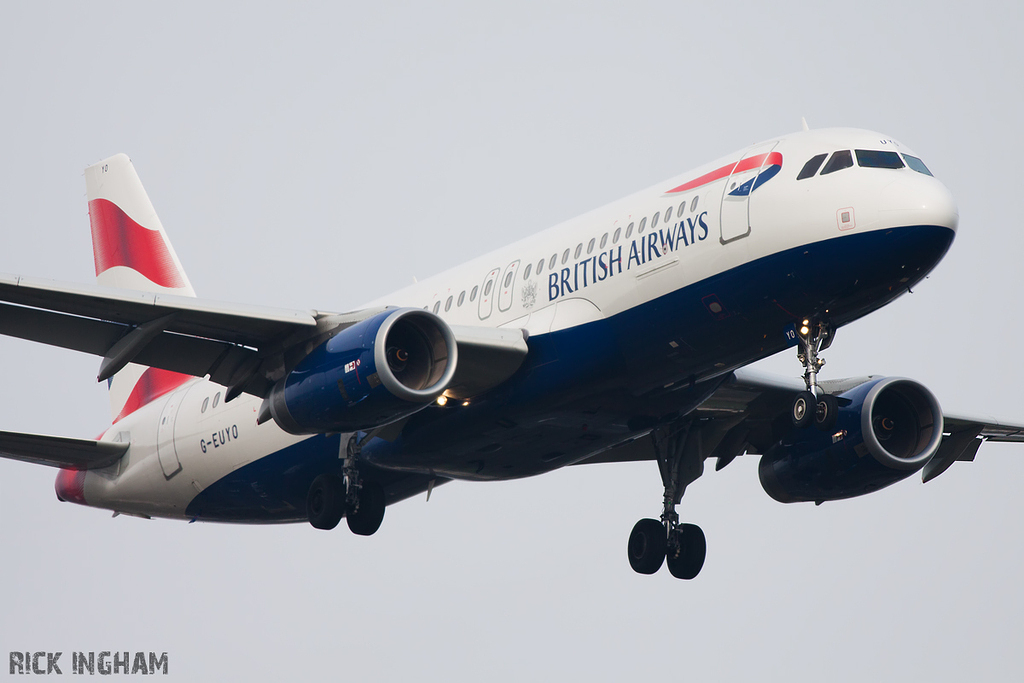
x: 814, y: 405
x: 653, y: 542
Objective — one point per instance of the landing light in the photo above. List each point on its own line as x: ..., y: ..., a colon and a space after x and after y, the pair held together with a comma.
x: 805, y: 330
x: 442, y: 399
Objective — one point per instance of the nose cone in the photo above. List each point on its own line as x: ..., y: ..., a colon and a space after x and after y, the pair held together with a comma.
x: 919, y: 200
x: 70, y: 486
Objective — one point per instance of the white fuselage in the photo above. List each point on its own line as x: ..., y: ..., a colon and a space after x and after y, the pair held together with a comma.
x: 589, y: 268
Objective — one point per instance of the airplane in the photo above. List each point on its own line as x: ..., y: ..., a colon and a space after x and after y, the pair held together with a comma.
x: 621, y: 335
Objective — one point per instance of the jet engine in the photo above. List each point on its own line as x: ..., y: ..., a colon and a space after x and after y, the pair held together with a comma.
x: 372, y: 373
x: 885, y: 430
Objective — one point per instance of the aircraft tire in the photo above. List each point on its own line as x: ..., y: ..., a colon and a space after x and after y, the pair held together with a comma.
x: 826, y: 412
x: 325, y: 502
x: 367, y: 519
x: 693, y: 549
x: 647, y: 545
x: 803, y: 409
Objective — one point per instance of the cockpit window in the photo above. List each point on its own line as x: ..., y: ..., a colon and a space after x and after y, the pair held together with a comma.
x: 916, y: 164
x: 840, y: 160
x: 811, y: 167
x: 870, y: 158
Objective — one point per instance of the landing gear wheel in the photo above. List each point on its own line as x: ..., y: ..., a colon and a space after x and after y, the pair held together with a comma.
x: 687, y: 551
x: 647, y: 546
x: 325, y: 502
x: 366, y: 519
x: 826, y: 412
x: 803, y: 409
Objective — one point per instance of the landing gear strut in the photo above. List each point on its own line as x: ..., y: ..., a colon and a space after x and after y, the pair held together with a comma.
x: 364, y: 501
x: 653, y: 542
x: 331, y: 497
x: 814, y: 405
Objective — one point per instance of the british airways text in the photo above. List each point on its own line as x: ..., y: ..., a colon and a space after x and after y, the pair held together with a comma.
x: 642, y: 250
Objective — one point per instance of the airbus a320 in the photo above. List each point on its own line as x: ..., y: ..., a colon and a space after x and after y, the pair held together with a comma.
x: 620, y: 335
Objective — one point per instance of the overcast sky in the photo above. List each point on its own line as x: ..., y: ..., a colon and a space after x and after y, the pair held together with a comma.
x: 323, y: 156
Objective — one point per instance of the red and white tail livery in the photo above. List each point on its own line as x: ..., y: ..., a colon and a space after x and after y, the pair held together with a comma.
x: 131, y: 251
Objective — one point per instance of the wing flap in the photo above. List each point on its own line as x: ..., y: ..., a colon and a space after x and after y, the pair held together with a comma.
x: 196, y: 356
x: 991, y: 428
x: 59, y: 451
x: 59, y: 329
x: 235, y: 323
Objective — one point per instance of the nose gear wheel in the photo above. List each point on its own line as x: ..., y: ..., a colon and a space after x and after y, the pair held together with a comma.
x: 813, y: 405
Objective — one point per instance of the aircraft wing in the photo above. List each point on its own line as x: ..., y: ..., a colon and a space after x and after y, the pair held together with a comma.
x: 245, y: 348
x: 59, y: 451
x: 741, y: 418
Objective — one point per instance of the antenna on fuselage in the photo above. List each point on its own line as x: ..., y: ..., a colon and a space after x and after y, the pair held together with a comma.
x: 803, y: 124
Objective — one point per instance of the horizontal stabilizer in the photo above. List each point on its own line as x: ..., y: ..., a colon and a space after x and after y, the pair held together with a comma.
x: 59, y: 451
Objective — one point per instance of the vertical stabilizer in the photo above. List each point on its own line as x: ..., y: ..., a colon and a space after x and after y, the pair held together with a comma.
x: 131, y: 251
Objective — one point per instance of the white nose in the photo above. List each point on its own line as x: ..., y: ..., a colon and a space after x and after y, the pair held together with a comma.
x: 922, y: 200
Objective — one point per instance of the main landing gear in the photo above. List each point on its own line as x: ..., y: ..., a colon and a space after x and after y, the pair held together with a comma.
x: 332, y: 497
x: 814, y: 405
x: 653, y: 542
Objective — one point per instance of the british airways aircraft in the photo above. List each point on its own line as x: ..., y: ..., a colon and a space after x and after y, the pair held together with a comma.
x: 620, y: 335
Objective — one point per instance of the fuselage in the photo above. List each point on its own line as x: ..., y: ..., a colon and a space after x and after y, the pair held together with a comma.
x: 634, y: 311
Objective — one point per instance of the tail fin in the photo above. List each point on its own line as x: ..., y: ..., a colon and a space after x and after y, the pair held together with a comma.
x: 131, y: 251
x: 129, y: 244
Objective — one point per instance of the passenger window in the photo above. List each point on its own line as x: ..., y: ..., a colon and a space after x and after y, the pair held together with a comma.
x: 206, y: 404
x: 811, y: 167
x: 643, y: 226
x: 868, y: 158
x: 216, y: 399
x: 916, y: 164
x: 437, y: 307
x: 840, y: 160
x: 590, y: 246
x: 615, y: 237
x: 604, y: 240
x: 629, y: 230
x: 462, y: 297
x: 668, y: 214
x: 654, y: 221
x: 472, y: 295
x: 551, y: 264
x: 526, y: 273
x: 579, y: 250
x: 540, y: 266
x: 693, y: 204
x: 448, y: 304
x: 565, y: 257
x: 682, y: 207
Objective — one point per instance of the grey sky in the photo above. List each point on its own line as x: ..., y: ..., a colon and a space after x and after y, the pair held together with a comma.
x: 322, y: 156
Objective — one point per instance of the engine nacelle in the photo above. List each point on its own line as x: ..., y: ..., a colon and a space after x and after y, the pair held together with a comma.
x: 885, y: 431
x: 369, y: 374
